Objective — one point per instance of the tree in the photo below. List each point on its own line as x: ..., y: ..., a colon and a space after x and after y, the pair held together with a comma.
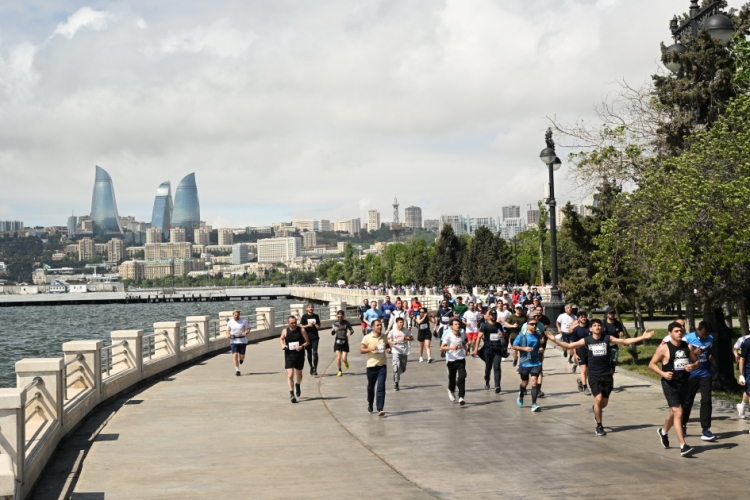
x: 373, y: 269
x: 444, y: 267
x: 349, y: 260
x: 488, y: 259
x: 324, y: 267
x: 335, y: 272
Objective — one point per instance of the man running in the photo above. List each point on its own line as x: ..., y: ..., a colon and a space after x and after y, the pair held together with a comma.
x: 460, y: 308
x: 444, y: 316
x: 424, y: 335
x: 386, y: 309
x: 310, y: 322
x: 581, y: 331
x: 342, y: 330
x: 361, y: 312
x: 237, y: 330
x: 744, y: 356
x: 293, y: 341
x: 600, y: 364
x: 677, y: 361
x: 398, y: 340
x: 471, y: 325
x: 613, y: 328
x: 564, y: 325
x: 513, y: 327
x: 530, y: 366
x: 494, y: 347
x: 371, y: 315
x: 454, y: 347
x: 399, y: 312
x: 745, y: 396
x: 700, y: 380
x: 375, y: 345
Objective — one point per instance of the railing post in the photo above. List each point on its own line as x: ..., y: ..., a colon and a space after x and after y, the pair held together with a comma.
x: 132, y: 352
x: 49, y: 391
x: 336, y: 307
x: 201, y: 329
x: 12, y: 440
x: 267, y: 319
x: 89, y: 367
x: 224, y: 317
x: 172, y: 337
x: 297, y: 310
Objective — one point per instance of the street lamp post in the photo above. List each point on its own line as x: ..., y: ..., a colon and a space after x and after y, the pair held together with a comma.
x: 556, y: 305
x: 710, y: 17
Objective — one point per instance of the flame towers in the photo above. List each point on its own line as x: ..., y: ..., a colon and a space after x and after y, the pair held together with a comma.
x: 187, y: 208
x: 161, y: 217
x: 104, y: 206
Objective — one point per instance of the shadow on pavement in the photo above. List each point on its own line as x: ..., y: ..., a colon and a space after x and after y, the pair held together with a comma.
x: 406, y: 412
x: 726, y: 446
x: 624, y: 428
x: 557, y: 407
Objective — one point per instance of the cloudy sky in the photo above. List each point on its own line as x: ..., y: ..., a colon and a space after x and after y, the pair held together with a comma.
x: 288, y: 109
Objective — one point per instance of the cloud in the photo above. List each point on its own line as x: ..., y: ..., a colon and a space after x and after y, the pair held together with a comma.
x: 85, y: 17
x: 219, y: 39
x: 17, y: 75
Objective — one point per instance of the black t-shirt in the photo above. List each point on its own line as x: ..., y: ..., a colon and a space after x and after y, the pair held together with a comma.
x: 492, y: 335
x: 612, y: 329
x: 294, y: 336
x: 312, y: 331
x: 600, y: 356
x: 444, y: 313
x: 545, y: 320
x: 341, y: 329
x: 578, y: 333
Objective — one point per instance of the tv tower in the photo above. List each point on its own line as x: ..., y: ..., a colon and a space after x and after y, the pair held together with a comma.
x: 396, y: 226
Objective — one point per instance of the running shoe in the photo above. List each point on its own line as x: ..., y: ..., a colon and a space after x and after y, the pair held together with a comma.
x: 515, y: 362
x: 381, y: 413
x: 430, y: 360
x: 242, y: 361
x: 686, y: 450
x: 535, y: 408
x: 298, y: 389
x: 369, y: 409
x: 497, y: 390
x: 451, y: 396
x: 486, y: 387
x: 315, y: 373
x: 346, y: 365
x: 541, y: 394
x: 586, y: 390
x: 339, y: 374
x: 570, y: 360
x: 565, y: 354
x: 580, y: 385
x: 708, y: 435
x: 663, y: 437
x: 293, y: 399
x: 237, y: 373
x: 519, y: 401
x: 573, y: 369
x: 600, y: 430
x: 741, y: 410
x: 395, y: 387
x: 421, y: 360
x: 461, y: 401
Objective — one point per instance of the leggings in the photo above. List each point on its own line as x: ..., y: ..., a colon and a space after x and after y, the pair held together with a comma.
x: 492, y: 359
x: 312, y: 354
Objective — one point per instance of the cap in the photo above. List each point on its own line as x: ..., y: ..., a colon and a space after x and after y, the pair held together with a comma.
x: 609, y: 310
x: 519, y: 306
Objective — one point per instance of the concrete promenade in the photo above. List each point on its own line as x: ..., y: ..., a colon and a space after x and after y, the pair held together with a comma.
x: 204, y: 433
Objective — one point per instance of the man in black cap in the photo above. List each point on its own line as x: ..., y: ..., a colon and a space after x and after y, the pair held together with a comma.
x: 513, y: 326
x: 612, y: 327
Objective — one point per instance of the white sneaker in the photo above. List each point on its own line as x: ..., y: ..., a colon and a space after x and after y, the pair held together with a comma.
x: 741, y: 410
x: 420, y: 359
x: 451, y: 396
x: 461, y: 401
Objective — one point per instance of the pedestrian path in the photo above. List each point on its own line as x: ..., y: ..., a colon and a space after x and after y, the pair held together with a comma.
x: 204, y: 433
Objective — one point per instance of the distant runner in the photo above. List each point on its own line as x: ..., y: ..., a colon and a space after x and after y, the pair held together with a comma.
x: 237, y: 330
x: 293, y: 341
x: 342, y: 330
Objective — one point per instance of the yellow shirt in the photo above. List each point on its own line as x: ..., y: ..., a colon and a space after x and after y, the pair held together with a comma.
x: 370, y: 341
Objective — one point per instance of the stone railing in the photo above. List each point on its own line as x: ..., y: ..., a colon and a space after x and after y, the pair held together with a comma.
x: 53, y: 395
x: 356, y: 297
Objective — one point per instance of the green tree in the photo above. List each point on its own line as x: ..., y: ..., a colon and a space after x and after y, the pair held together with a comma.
x: 324, y: 267
x: 349, y: 260
x: 373, y: 269
x: 444, y: 266
x: 335, y: 273
x: 488, y: 259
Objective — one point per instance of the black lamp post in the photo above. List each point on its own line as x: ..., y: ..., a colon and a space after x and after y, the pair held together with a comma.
x: 710, y: 17
x: 556, y: 305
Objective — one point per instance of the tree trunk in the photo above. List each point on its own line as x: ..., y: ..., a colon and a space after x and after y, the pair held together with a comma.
x: 742, y: 313
x: 690, y: 313
x: 728, y: 314
x: 722, y: 352
x: 541, y: 260
x: 639, y: 324
x: 679, y: 308
x: 650, y: 312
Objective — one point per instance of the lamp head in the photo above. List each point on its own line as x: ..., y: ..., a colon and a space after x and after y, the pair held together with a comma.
x: 720, y: 27
x: 671, y: 60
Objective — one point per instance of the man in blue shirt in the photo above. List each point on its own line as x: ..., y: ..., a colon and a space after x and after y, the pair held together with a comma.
x: 530, y: 363
x: 386, y: 309
x: 700, y: 343
x: 371, y: 315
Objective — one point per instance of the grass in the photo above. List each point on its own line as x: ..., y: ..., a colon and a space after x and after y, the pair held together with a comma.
x: 645, y: 352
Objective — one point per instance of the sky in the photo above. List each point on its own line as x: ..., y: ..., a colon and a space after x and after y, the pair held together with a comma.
x: 299, y: 109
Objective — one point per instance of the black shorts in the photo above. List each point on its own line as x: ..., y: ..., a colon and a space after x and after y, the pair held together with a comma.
x: 239, y: 348
x: 566, y: 337
x: 343, y: 346
x: 583, y: 357
x: 296, y: 361
x: 601, y: 385
x: 424, y: 335
x: 675, y: 391
x: 533, y: 371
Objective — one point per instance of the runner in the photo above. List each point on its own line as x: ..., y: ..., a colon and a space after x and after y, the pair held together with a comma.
x: 494, y: 348
x: 745, y: 396
x: 310, y: 322
x: 581, y: 331
x: 540, y: 328
x: 444, y: 316
x: 424, y: 334
x: 342, y: 330
x: 503, y: 313
x: 744, y: 357
x: 399, y: 312
x: 598, y: 347
x: 386, y: 309
x: 460, y: 308
x: 375, y: 345
x: 564, y: 324
x: 471, y: 324
x: 613, y: 328
x: 372, y: 314
x: 677, y: 361
x: 293, y: 341
x: 398, y: 339
x: 361, y: 312
x: 454, y: 347
x: 513, y: 327
x: 237, y: 330
x: 700, y: 343
x: 543, y: 319
x: 530, y: 366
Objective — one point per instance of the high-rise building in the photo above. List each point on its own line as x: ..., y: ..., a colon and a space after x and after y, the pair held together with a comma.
x: 115, y: 250
x: 187, y: 207
x: 431, y: 224
x: 532, y: 217
x: 161, y: 216
x: 488, y: 222
x: 413, y: 217
x: 457, y: 222
x: 511, y: 212
x: 153, y: 235
x: 511, y: 227
x: 86, y: 249
x: 351, y: 226
x: 10, y: 225
x: 226, y: 237
x: 272, y: 250
x: 309, y: 239
x: 160, y: 251
x: 72, y: 225
x: 285, y: 231
x: 104, y: 206
x: 202, y: 236
x: 177, y: 235
x: 239, y: 254
x: 373, y: 220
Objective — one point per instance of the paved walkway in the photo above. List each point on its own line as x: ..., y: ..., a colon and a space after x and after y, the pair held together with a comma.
x: 204, y: 433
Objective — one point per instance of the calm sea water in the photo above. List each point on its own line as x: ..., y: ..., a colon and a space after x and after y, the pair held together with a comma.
x: 40, y: 331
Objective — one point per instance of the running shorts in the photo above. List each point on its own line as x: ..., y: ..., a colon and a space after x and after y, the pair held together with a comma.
x: 583, y: 357
x: 424, y: 335
x: 340, y: 345
x: 296, y: 361
x: 238, y: 348
x: 532, y: 371
x: 601, y: 385
x: 565, y: 337
x: 363, y: 325
x: 472, y: 336
x: 747, y: 384
x: 675, y: 392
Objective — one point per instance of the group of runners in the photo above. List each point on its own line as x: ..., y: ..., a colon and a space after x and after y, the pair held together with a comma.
x: 487, y: 331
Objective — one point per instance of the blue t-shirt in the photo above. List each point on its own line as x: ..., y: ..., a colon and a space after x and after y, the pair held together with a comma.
x: 745, y: 354
x: 370, y: 316
x: 528, y: 359
x: 704, y: 365
x: 386, y: 309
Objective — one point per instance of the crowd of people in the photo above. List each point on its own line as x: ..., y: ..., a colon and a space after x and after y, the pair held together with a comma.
x: 493, y: 329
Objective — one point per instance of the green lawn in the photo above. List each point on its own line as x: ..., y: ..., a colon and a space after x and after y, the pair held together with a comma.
x: 646, y: 352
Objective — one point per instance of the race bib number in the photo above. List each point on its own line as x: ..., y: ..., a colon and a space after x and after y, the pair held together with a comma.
x: 340, y: 341
x: 680, y: 364
x: 598, y: 349
x: 445, y: 319
x: 424, y: 326
x: 380, y: 349
x: 293, y: 346
x: 494, y: 337
x: 311, y: 322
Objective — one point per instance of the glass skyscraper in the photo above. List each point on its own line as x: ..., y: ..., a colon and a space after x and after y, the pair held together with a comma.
x: 162, y: 214
x: 104, y: 206
x: 187, y: 208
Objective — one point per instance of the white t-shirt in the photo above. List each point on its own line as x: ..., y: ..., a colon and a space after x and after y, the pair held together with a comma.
x: 450, y: 340
x: 472, y: 318
x: 737, y: 344
x: 397, y: 341
x: 565, y: 321
x: 236, y: 329
x: 502, y: 316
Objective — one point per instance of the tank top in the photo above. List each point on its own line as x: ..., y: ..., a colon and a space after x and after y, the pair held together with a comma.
x: 679, y: 358
x: 294, y: 338
x: 492, y: 336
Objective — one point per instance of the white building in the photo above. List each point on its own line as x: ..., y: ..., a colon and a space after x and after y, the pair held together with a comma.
x: 312, y: 224
x: 153, y: 235
x: 177, y: 235
x: 271, y: 250
x: 373, y: 220
x: 431, y: 224
x: 511, y: 212
x: 413, y: 217
x: 351, y: 226
x: 202, y: 236
x: 239, y: 254
x: 226, y: 237
x: 511, y: 227
x: 488, y: 222
x: 309, y: 239
x: 457, y: 222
